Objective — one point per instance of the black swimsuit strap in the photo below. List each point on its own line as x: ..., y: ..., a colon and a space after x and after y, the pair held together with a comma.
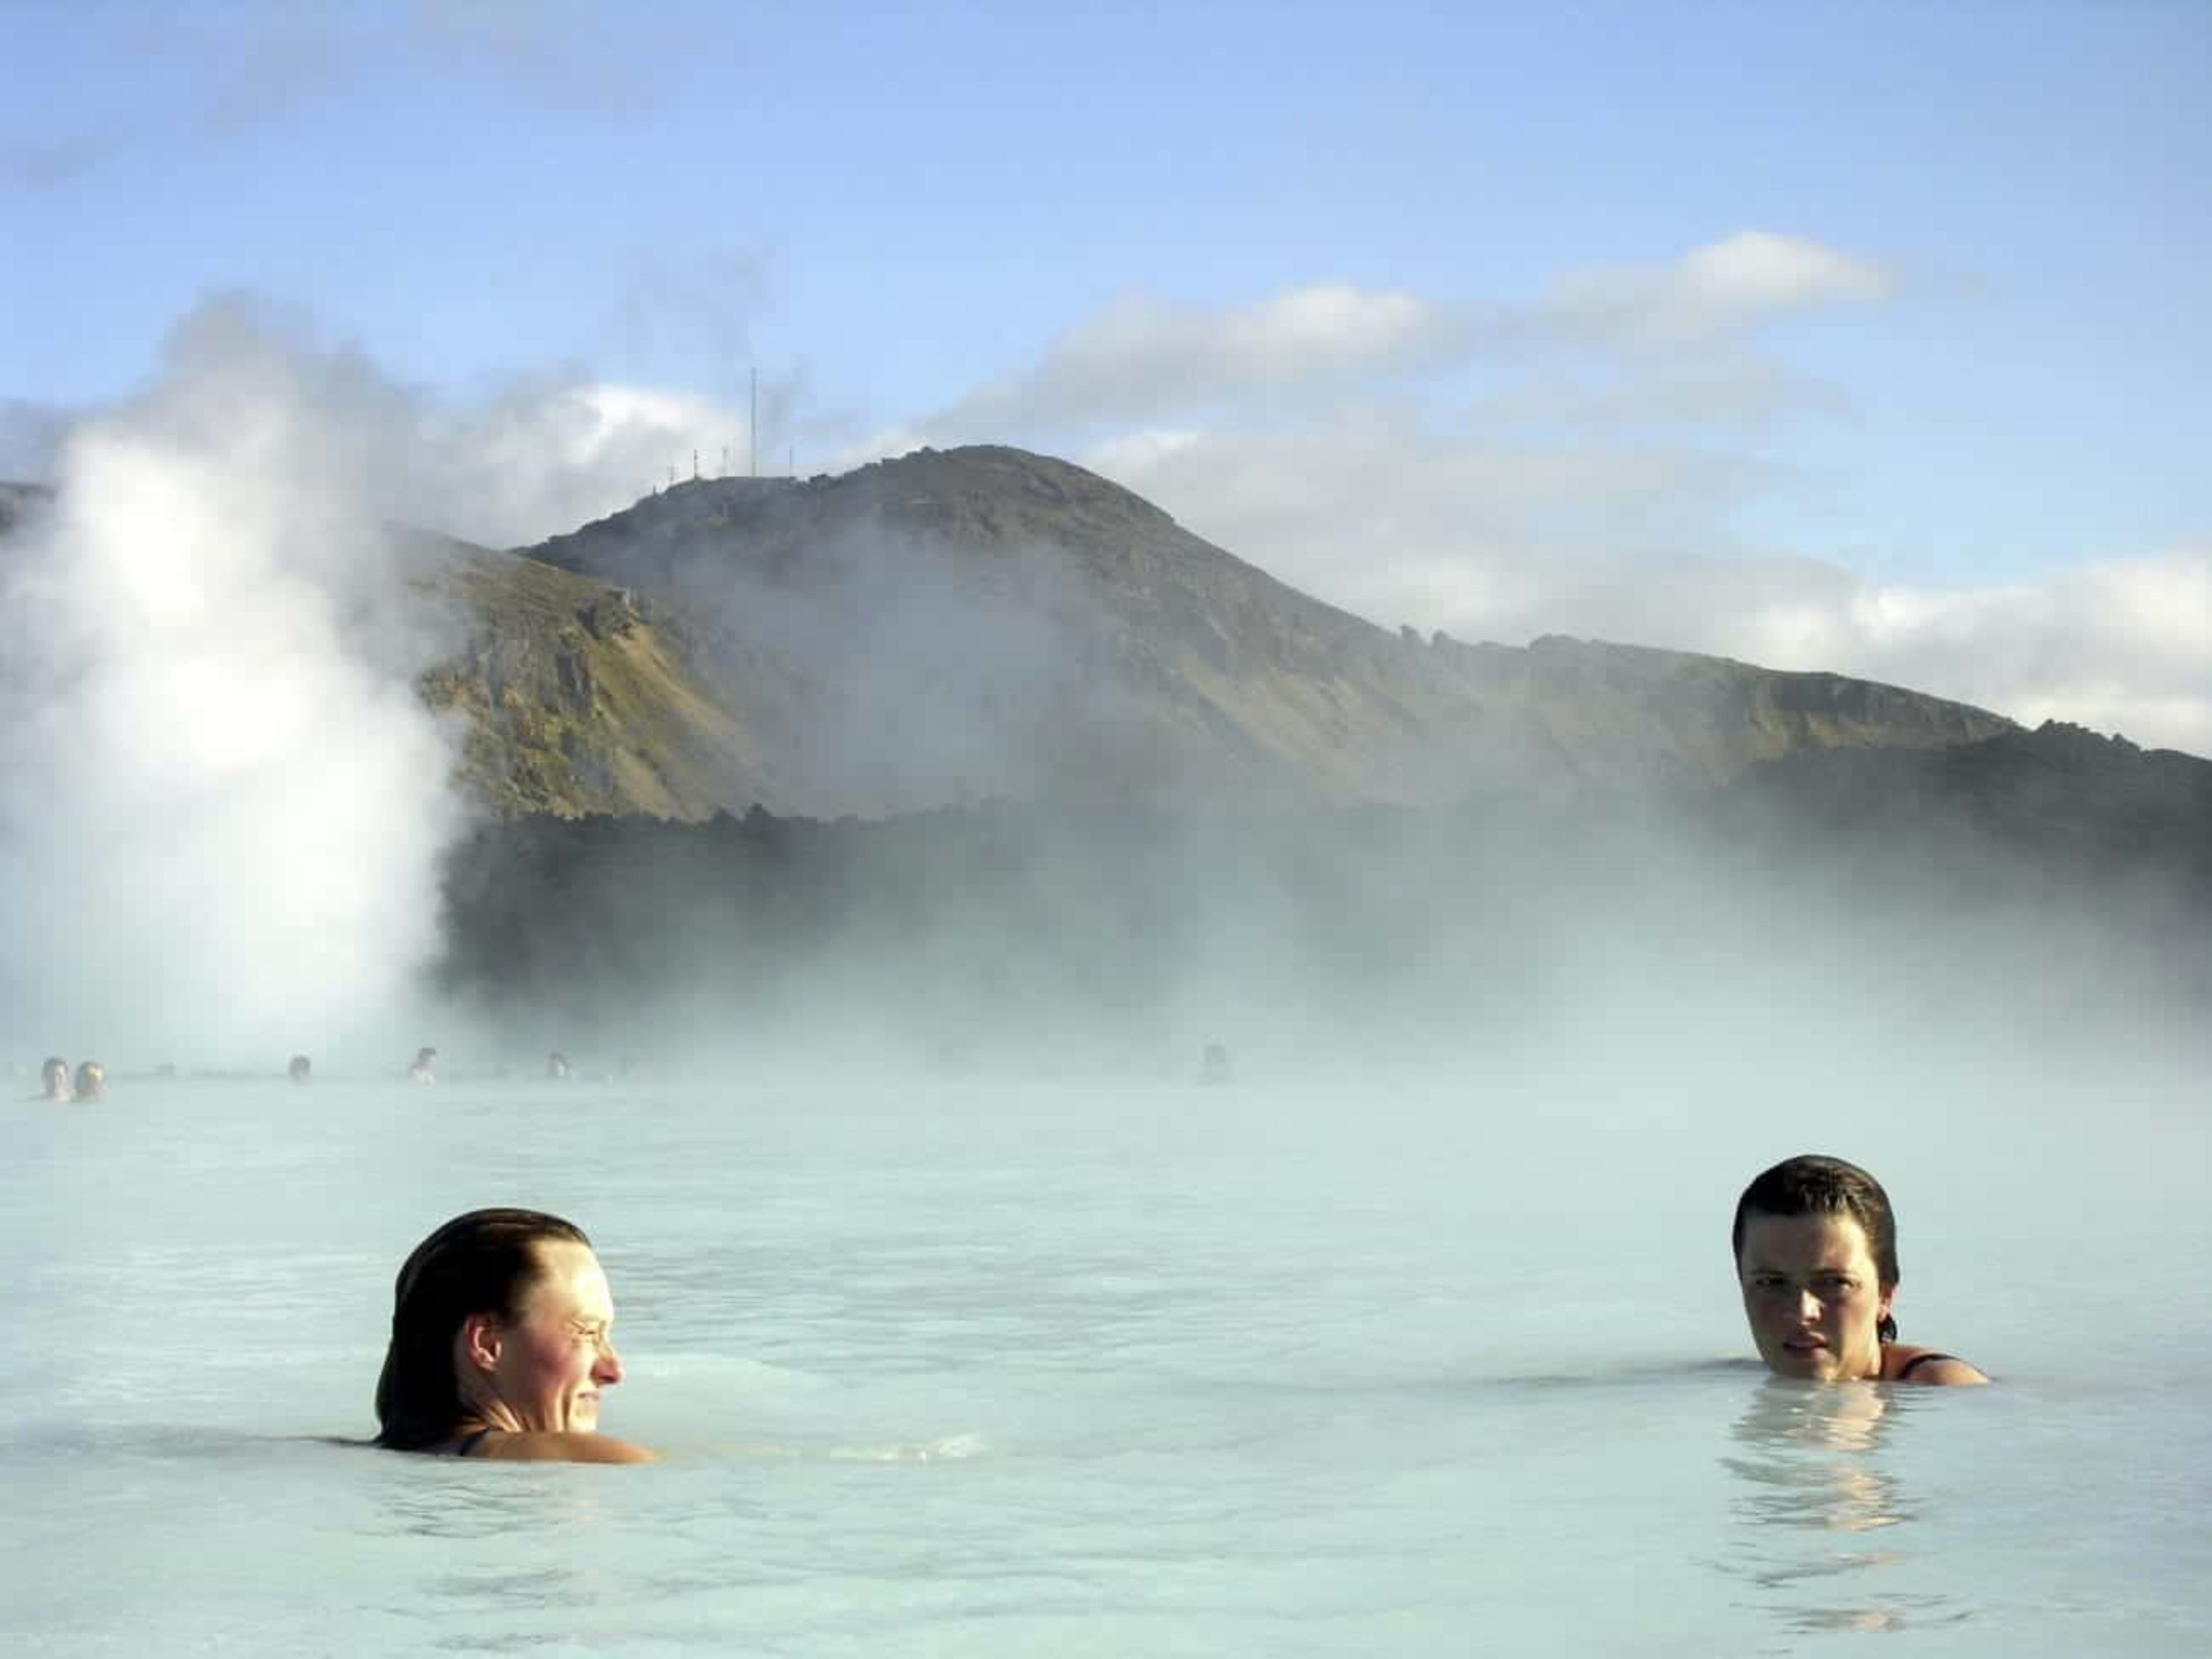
x: 472, y: 1442
x: 1918, y: 1360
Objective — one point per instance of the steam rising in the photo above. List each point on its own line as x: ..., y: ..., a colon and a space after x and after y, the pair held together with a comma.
x: 224, y: 805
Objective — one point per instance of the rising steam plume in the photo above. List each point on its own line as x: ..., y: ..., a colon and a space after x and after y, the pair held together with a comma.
x: 224, y: 804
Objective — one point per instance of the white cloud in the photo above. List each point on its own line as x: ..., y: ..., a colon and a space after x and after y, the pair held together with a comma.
x: 2119, y: 644
x: 1721, y: 289
x: 1142, y: 357
x: 535, y: 459
x: 543, y: 458
x: 1720, y: 389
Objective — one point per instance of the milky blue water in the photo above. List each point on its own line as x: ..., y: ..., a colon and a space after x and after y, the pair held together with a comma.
x: 1005, y: 1369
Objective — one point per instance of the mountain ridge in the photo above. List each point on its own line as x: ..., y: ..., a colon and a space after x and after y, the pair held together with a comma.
x: 1216, y: 671
x: 956, y: 625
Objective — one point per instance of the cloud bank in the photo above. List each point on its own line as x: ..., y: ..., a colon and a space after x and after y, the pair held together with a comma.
x: 1142, y: 356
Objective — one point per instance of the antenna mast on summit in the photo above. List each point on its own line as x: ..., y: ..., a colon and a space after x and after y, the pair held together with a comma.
x: 752, y: 431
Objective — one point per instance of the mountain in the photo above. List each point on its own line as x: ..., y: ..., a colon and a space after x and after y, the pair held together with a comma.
x: 985, y: 622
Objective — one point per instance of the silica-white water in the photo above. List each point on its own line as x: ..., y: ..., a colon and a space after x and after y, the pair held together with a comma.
x: 1112, y: 1369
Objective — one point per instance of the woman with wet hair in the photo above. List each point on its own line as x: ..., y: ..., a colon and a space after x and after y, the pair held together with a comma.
x: 501, y: 1344
x: 1815, y: 1249
x: 92, y: 1081
x: 54, y: 1079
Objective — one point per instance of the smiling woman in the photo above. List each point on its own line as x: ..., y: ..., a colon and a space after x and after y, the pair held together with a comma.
x: 1815, y: 1247
x: 501, y: 1343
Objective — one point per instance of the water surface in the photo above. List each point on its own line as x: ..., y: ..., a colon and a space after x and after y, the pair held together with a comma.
x: 1048, y: 1369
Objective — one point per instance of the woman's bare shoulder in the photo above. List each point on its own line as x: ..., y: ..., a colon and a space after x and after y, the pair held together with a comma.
x: 1902, y: 1363
x: 560, y: 1446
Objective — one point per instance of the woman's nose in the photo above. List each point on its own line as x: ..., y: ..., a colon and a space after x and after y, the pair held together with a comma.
x: 1808, y: 1308
x: 607, y: 1368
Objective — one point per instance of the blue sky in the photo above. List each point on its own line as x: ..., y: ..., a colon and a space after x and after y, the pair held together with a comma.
x: 1928, y: 405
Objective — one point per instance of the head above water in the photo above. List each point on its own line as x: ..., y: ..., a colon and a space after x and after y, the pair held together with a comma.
x: 484, y: 1263
x: 301, y: 1069
x: 54, y: 1079
x: 92, y: 1081
x: 1831, y: 1189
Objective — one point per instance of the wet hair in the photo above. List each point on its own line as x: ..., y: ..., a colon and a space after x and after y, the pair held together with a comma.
x: 301, y: 1069
x: 1812, y: 1185
x: 91, y: 1080
x: 55, y: 1071
x: 484, y: 1262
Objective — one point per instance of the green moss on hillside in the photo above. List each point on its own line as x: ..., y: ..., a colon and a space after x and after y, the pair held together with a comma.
x: 577, y: 700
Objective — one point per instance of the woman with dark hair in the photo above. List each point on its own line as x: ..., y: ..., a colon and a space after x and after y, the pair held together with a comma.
x: 54, y: 1081
x: 1815, y: 1247
x: 501, y: 1344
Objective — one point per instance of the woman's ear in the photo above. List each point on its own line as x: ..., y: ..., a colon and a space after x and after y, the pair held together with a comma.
x: 1888, y: 1296
x: 481, y: 1339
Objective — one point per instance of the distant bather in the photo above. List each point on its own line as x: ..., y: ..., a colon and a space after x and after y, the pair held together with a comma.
x: 302, y: 1070
x: 556, y: 1066
x: 1214, y: 1068
x: 92, y: 1081
x: 424, y: 1070
x: 54, y: 1081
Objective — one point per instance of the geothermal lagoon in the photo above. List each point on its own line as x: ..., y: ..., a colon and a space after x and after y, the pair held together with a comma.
x: 1093, y: 1367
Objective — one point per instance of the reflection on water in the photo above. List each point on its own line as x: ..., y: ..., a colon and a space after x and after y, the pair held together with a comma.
x: 1815, y: 1497
x: 458, y: 1500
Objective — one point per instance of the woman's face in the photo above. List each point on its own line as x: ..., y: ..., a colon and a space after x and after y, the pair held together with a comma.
x: 554, y: 1360
x: 1812, y: 1295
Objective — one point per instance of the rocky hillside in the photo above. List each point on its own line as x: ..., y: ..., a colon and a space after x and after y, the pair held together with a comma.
x: 576, y: 698
x: 959, y: 624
